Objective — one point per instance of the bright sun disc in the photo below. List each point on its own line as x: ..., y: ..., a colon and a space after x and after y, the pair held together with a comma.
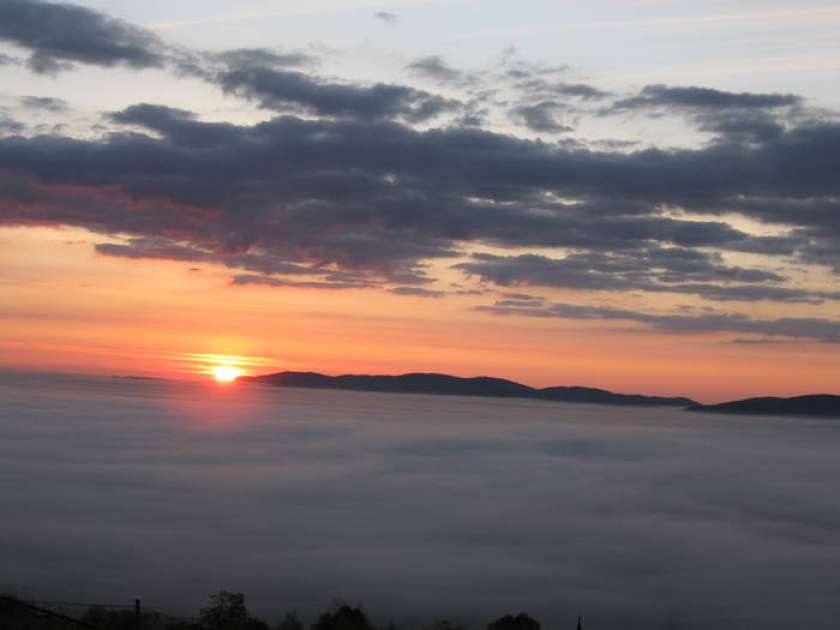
x: 226, y: 373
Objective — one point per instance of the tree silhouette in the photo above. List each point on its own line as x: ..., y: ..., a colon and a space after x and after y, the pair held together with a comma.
x: 342, y: 617
x: 111, y: 619
x: 227, y: 611
x: 290, y: 621
x: 520, y: 622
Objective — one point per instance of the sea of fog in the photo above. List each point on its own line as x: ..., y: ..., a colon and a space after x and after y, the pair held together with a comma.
x: 419, y: 507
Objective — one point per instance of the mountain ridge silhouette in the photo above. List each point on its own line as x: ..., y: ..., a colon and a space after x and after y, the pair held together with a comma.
x: 447, y: 385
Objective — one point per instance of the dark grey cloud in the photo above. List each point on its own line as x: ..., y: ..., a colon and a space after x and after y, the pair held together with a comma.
x: 740, y: 127
x: 750, y: 293
x: 46, y: 103
x: 512, y: 303
x: 352, y: 183
x: 541, y: 117
x: 613, y: 144
x: 701, y: 98
x: 589, y: 270
x: 521, y: 296
x: 657, y: 270
x: 540, y: 101
x: 388, y: 18
x: 153, y: 248
x: 60, y: 34
x: 287, y: 91
x: 807, y: 328
x: 372, y: 195
x: 8, y: 60
x: 9, y: 125
x: 274, y: 281
x: 264, y: 57
x: 180, y: 125
x: 162, y: 248
x: 541, y: 88
x: 434, y: 67
x: 406, y: 181
x: 417, y: 292
x: 758, y: 342
x: 579, y: 90
x: 733, y: 117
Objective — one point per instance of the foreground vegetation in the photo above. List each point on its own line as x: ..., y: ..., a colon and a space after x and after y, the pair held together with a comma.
x: 225, y: 611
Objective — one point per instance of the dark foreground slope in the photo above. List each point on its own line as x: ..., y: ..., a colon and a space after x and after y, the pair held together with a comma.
x: 443, y: 384
x: 819, y: 405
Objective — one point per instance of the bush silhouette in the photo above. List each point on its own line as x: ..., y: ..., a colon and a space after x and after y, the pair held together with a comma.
x: 342, y: 617
x: 227, y: 611
x: 520, y: 622
x: 290, y: 621
x: 445, y: 624
x: 111, y: 619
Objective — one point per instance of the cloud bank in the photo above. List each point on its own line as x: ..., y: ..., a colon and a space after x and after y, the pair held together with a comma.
x: 420, y: 507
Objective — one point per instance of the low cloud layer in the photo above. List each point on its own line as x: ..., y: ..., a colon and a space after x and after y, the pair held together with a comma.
x: 419, y: 507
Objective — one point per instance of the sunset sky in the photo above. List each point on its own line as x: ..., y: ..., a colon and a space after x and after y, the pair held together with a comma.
x: 638, y: 195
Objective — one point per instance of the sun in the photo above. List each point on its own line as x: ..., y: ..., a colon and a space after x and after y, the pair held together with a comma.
x: 226, y: 373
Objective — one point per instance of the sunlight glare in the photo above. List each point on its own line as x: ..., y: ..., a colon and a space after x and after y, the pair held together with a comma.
x: 226, y: 373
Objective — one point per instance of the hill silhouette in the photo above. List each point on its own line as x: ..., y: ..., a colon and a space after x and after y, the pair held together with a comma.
x: 444, y: 384
x: 817, y: 405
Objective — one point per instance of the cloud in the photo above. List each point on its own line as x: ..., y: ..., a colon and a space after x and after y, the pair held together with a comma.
x: 389, y: 18
x: 623, y: 270
x: 263, y: 57
x: 541, y: 117
x: 807, y: 328
x: 380, y: 197
x: 655, y: 270
x: 60, y: 34
x: 417, y: 292
x: 758, y: 127
x: 47, y: 103
x: 758, y: 342
x: 435, y: 68
x: 273, y: 281
x: 8, y: 60
x: 180, y: 125
x: 428, y: 489
x: 700, y: 98
x: 734, y: 117
x: 537, y: 87
x: 286, y: 91
x: 361, y: 189
x: 10, y: 125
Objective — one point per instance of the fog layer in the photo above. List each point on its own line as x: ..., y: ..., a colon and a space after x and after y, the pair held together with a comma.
x: 417, y: 506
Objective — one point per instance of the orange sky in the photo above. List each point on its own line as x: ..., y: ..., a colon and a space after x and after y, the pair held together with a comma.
x: 336, y: 192
x: 65, y: 308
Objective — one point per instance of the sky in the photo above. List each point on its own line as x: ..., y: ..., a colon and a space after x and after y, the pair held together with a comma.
x: 639, y: 195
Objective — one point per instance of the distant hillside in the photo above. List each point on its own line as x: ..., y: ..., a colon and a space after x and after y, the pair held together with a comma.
x: 604, y: 397
x: 443, y: 384
x: 818, y: 405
